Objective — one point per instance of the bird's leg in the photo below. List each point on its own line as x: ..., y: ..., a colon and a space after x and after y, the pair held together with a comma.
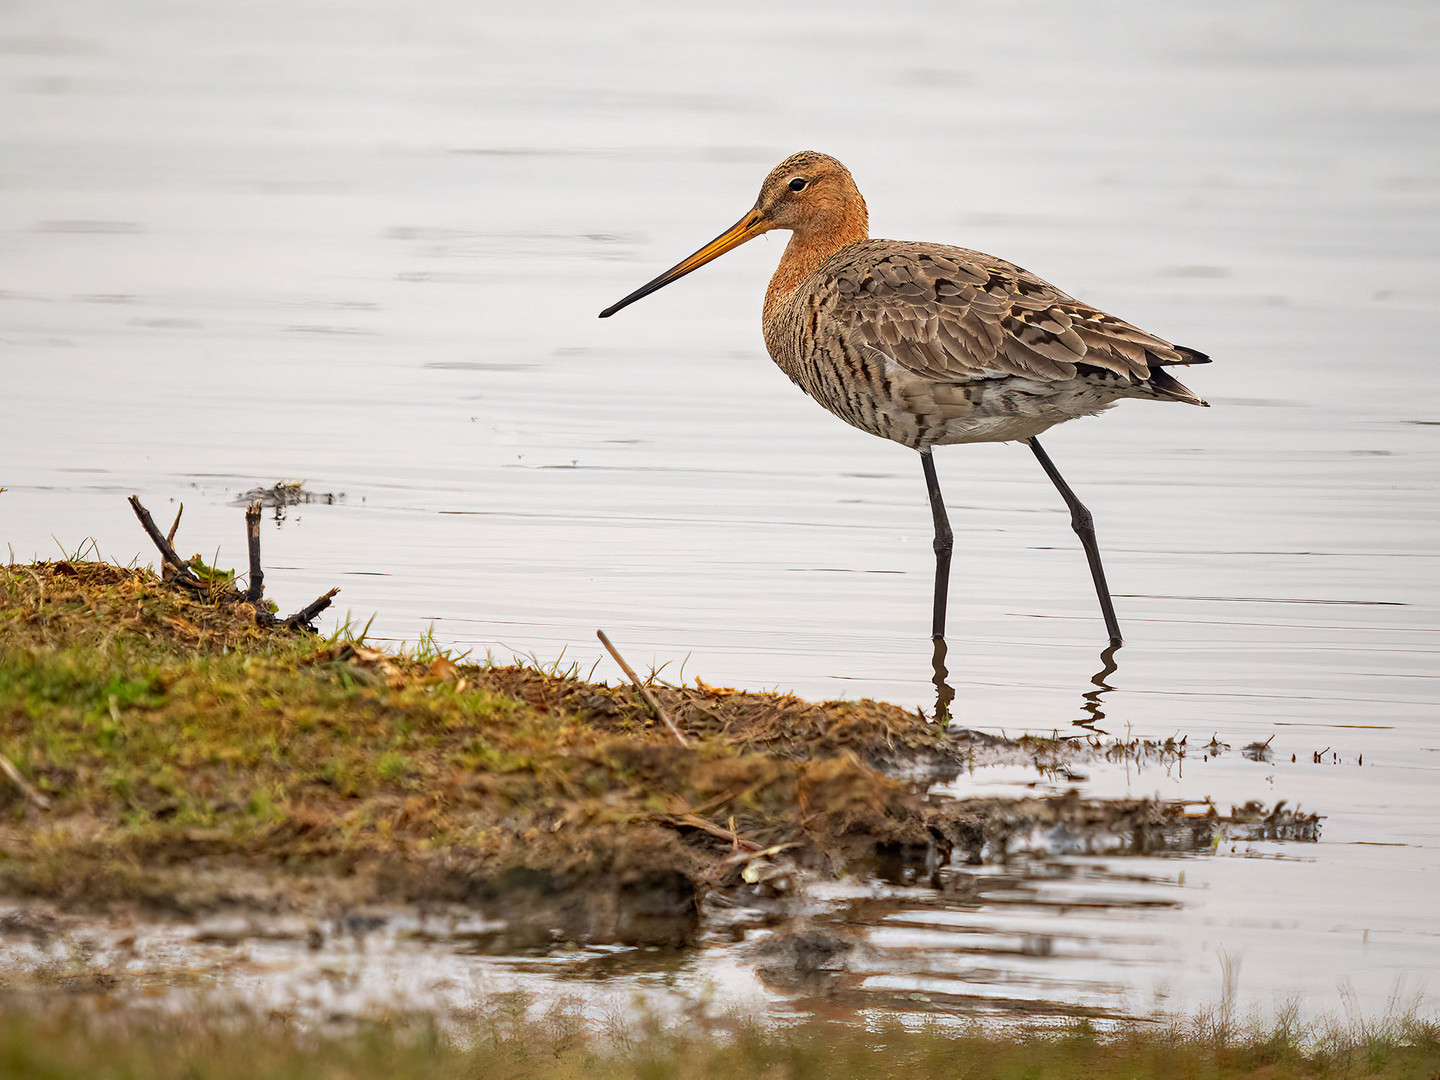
x: 1084, y: 526
x: 944, y: 543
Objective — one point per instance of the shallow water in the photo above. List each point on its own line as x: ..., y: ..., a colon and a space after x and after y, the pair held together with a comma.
x: 241, y: 245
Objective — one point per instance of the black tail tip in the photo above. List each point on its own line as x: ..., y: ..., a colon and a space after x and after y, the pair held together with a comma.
x: 1192, y: 356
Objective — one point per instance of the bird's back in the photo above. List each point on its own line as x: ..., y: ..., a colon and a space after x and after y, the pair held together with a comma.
x: 928, y: 344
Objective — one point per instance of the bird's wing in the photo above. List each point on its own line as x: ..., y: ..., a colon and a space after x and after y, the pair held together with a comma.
x: 952, y: 314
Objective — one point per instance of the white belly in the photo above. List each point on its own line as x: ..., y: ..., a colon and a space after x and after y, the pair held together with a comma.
x: 1015, y: 409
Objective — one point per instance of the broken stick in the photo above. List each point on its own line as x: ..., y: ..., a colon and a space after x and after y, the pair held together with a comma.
x: 254, y: 592
x: 167, y: 552
x: 650, y: 699
x: 720, y: 832
x: 302, y: 617
x: 256, y: 589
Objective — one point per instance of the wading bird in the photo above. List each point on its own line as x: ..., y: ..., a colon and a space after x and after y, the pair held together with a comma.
x: 928, y: 344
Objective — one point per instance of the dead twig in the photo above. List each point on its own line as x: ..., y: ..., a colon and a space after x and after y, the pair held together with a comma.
x: 182, y: 570
x: 705, y: 825
x: 302, y: 617
x: 256, y: 589
x: 650, y: 700
x: 182, y: 574
x: 8, y: 768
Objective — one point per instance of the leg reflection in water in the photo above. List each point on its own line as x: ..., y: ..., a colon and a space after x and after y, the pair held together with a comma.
x: 944, y: 692
x: 1092, y: 701
x: 1092, y: 704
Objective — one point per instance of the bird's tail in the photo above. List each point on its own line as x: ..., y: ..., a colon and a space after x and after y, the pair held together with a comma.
x: 1169, y: 388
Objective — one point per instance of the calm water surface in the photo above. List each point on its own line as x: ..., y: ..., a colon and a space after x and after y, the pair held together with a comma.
x: 366, y: 249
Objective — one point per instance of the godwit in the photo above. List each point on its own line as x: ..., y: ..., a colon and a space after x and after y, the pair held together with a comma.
x: 928, y: 344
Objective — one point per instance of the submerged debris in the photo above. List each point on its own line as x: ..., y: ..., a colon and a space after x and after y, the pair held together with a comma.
x: 285, y: 493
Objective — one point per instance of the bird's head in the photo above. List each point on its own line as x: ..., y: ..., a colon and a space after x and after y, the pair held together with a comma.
x: 808, y: 193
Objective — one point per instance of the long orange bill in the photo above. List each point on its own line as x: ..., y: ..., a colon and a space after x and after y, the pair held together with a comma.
x: 747, y: 228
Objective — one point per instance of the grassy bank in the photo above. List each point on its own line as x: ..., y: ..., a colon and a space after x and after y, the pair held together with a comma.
x: 167, y: 749
x: 71, y: 1044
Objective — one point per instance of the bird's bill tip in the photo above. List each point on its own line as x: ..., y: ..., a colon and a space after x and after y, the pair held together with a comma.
x: 747, y: 228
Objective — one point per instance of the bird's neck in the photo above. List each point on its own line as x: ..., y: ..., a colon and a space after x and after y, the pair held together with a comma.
x: 806, y: 253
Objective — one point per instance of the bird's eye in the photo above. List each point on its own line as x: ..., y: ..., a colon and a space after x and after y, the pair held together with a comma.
x: 798, y: 184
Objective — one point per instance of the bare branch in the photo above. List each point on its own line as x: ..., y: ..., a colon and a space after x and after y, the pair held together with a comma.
x: 167, y: 553
x: 303, y: 617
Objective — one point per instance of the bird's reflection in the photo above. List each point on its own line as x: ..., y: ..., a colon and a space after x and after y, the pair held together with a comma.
x: 1092, y: 701
x: 1093, y: 705
x: 944, y: 692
